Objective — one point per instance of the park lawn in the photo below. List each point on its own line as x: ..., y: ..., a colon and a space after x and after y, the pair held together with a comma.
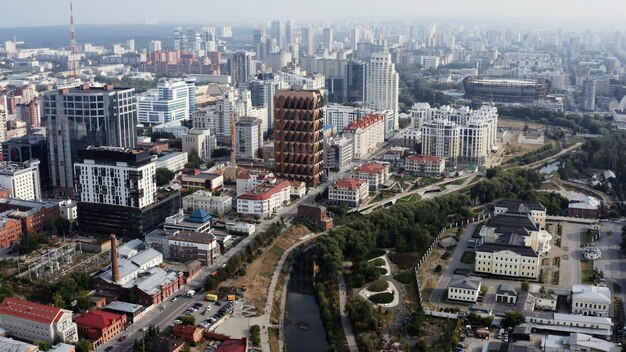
x: 586, y: 272
x: 410, y: 198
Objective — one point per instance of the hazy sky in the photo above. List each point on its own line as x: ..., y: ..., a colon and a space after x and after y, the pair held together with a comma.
x: 56, y: 12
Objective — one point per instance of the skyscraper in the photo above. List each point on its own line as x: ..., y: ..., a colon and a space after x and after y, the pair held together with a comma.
x: 298, y: 135
x: 589, y: 95
x: 83, y: 116
x: 277, y: 31
x: 308, y: 34
x: 355, y: 72
x: 289, y: 35
x: 241, y: 67
x: 262, y: 90
x: 381, y: 87
x: 327, y: 41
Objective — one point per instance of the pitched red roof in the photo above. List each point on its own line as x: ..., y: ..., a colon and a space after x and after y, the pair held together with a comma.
x: 425, y: 159
x: 370, y: 168
x: 98, y: 319
x: 233, y: 345
x: 265, y: 190
x: 36, y: 312
x: 349, y: 183
x: 363, y: 122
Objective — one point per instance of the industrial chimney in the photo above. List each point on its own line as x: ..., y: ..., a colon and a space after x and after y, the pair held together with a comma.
x: 115, y: 267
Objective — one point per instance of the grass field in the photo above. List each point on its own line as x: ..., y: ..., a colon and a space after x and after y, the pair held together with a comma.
x: 410, y: 198
x: 586, y: 272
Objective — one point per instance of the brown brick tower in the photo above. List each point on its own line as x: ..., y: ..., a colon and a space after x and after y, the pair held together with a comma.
x: 298, y: 135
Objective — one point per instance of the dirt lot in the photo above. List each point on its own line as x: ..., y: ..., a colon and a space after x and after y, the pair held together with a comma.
x: 259, y: 273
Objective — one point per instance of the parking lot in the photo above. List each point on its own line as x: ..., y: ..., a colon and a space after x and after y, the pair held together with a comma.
x: 205, y: 313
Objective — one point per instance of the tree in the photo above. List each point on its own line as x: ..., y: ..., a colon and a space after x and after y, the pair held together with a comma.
x: 189, y: 320
x: 43, y: 345
x: 194, y: 160
x: 361, y: 315
x: 83, y: 345
x: 255, y: 335
x: 163, y: 176
x: 513, y: 318
x: 525, y: 286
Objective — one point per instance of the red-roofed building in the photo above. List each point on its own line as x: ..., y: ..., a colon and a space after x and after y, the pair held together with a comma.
x: 188, y: 333
x: 250, y: 178
x: 367, y: 133
x: 36, y: 322
x: 425, y: 165
x: 352, y: 192
x: 264, y: 199
x: 100, y: 326
x: 376, y: 174
x: 233, y: 345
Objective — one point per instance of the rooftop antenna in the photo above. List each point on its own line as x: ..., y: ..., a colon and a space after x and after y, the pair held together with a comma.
x: 74, y: 46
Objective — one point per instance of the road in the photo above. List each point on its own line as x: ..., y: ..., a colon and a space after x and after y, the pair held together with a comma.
x: 369, y: 207
x: 613, y: 261
x: 347, y: 328
x: 540, y: 163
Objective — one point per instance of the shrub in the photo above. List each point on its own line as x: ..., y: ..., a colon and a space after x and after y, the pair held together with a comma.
x: 378, y: 286
x: 381, y: 298
x: 378, y: 262
x: 255, y: 335
x: 438, y: 269
x: 375, y: 253
x: 404, y: 277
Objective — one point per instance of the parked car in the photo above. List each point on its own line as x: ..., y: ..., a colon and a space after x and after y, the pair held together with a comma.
x: 122, y: 338
x: 108, y: 348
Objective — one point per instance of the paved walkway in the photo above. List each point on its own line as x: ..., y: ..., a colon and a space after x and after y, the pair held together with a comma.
x: 347, y: 328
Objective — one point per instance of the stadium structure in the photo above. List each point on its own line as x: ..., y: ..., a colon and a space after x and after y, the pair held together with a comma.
x: 506, y: 90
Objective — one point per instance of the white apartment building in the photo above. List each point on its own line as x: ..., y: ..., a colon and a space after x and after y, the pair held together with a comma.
x: 200, y: 141
x: 367, y: 134
x: 382, y: 87
x: 116, y: 176
x: 21, y: 179
x: 349, y: 191
x: 507, y: 260
x: 265, y: 199
x: 341, y: 116
x: 174, y: 162
x: 173, y: 127
x: 464, y: 288
x: 249, y: 137
x: 312, y: 82
x: 32, y: 322
x: 425, y: 165
x: 458, y: 135
x: 376, y: 174
x: 216, y: 205
x: 338, y: 153
x: 591, y: 300
x: 174, y: 100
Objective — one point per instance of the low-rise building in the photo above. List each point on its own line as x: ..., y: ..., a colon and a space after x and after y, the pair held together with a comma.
x: 516, y: 229
x: 198, y: 221
x: 21, y: 179
x: 10, y: 231
x: 32, y: 322
x: 174, y: 162
x: 316, y: 215
x: 425, y: 165
x: 583, y: 206
x: 568, y: 323
x: 507, y: 260
x: 10, y: 345
x: 506, y: 293
x: 376, y: 174
x: 464, y: 288
x: 575, y: 342
x: 348, y: 191
x: 298, y: 189
x: 264, y: 199
x: 164, y: 344
x: 189, y: 333
x: 33, y: 215
x: 194, y: 179
x: 367, y: 134
x: 131, y: 310
x: 216, y: 205
x: 591, y: 300
x: 250, y: 178
x: 537, y: 211
x: 100, y: 326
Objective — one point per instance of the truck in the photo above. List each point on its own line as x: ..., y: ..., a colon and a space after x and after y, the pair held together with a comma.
x: 210, y: 297
x: 190, y: 293
x: 231, y: 298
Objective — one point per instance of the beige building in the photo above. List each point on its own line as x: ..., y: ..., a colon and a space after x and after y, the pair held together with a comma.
x: 464, y: 288
x: 200, y: 141
x: 367, y: 134
x: 32, y: 322
x: 349, y: 191
x: 376, y: 174
x: 537, y: 211
x: 425, y: 165
x: 591, y: 300
x: 507, y: 260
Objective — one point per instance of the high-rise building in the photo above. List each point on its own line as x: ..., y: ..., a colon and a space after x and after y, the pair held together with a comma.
x: 116, y: 176
x: 461, y: 135
x: 173, y: 102
x: 308, y: 43
x: 117, y: 193
x: 83, y: 116
x: 338, y: 153
x: 327, y: 39
x: 262, y: 90
x: 382, y: 86
x: 298, y: 135
x: 589, y: 95
x: 26, y: 148
x: 29, y: 113
x: 3, y: 123
x: 21, y: 179
x: 249, y: 138
x: 155, y: 45
x: 241, y: 69
x: 130, y: 45
x: 355, y: 77
x: 277, y: 32
x: 289, y: 35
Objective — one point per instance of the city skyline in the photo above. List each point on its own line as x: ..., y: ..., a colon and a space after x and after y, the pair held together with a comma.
x: 39, y: 13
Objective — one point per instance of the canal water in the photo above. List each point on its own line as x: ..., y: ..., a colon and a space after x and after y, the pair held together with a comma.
x: 304, y: 330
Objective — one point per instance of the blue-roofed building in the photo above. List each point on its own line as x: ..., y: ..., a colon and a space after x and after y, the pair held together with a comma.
x: 198, y: 221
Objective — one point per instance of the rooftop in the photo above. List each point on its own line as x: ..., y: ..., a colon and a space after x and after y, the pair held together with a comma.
x: 10, y: 345
x: 467, y: 282
x: 126, y: 307
x: 370, y: 168
x: 508, y: 289
x: 349, y: 183
x: 265, y: 190
x: 31, y: 311
x: 515, y: 205
x: 425, y: 159
x: 591, y: 293
x: 233, y: 345
x: 497, y: 247
x: 518, y: 223
x: 155, y: 279
x: 192, y: 236
x: 98, y: 319
x: 363, y: 122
